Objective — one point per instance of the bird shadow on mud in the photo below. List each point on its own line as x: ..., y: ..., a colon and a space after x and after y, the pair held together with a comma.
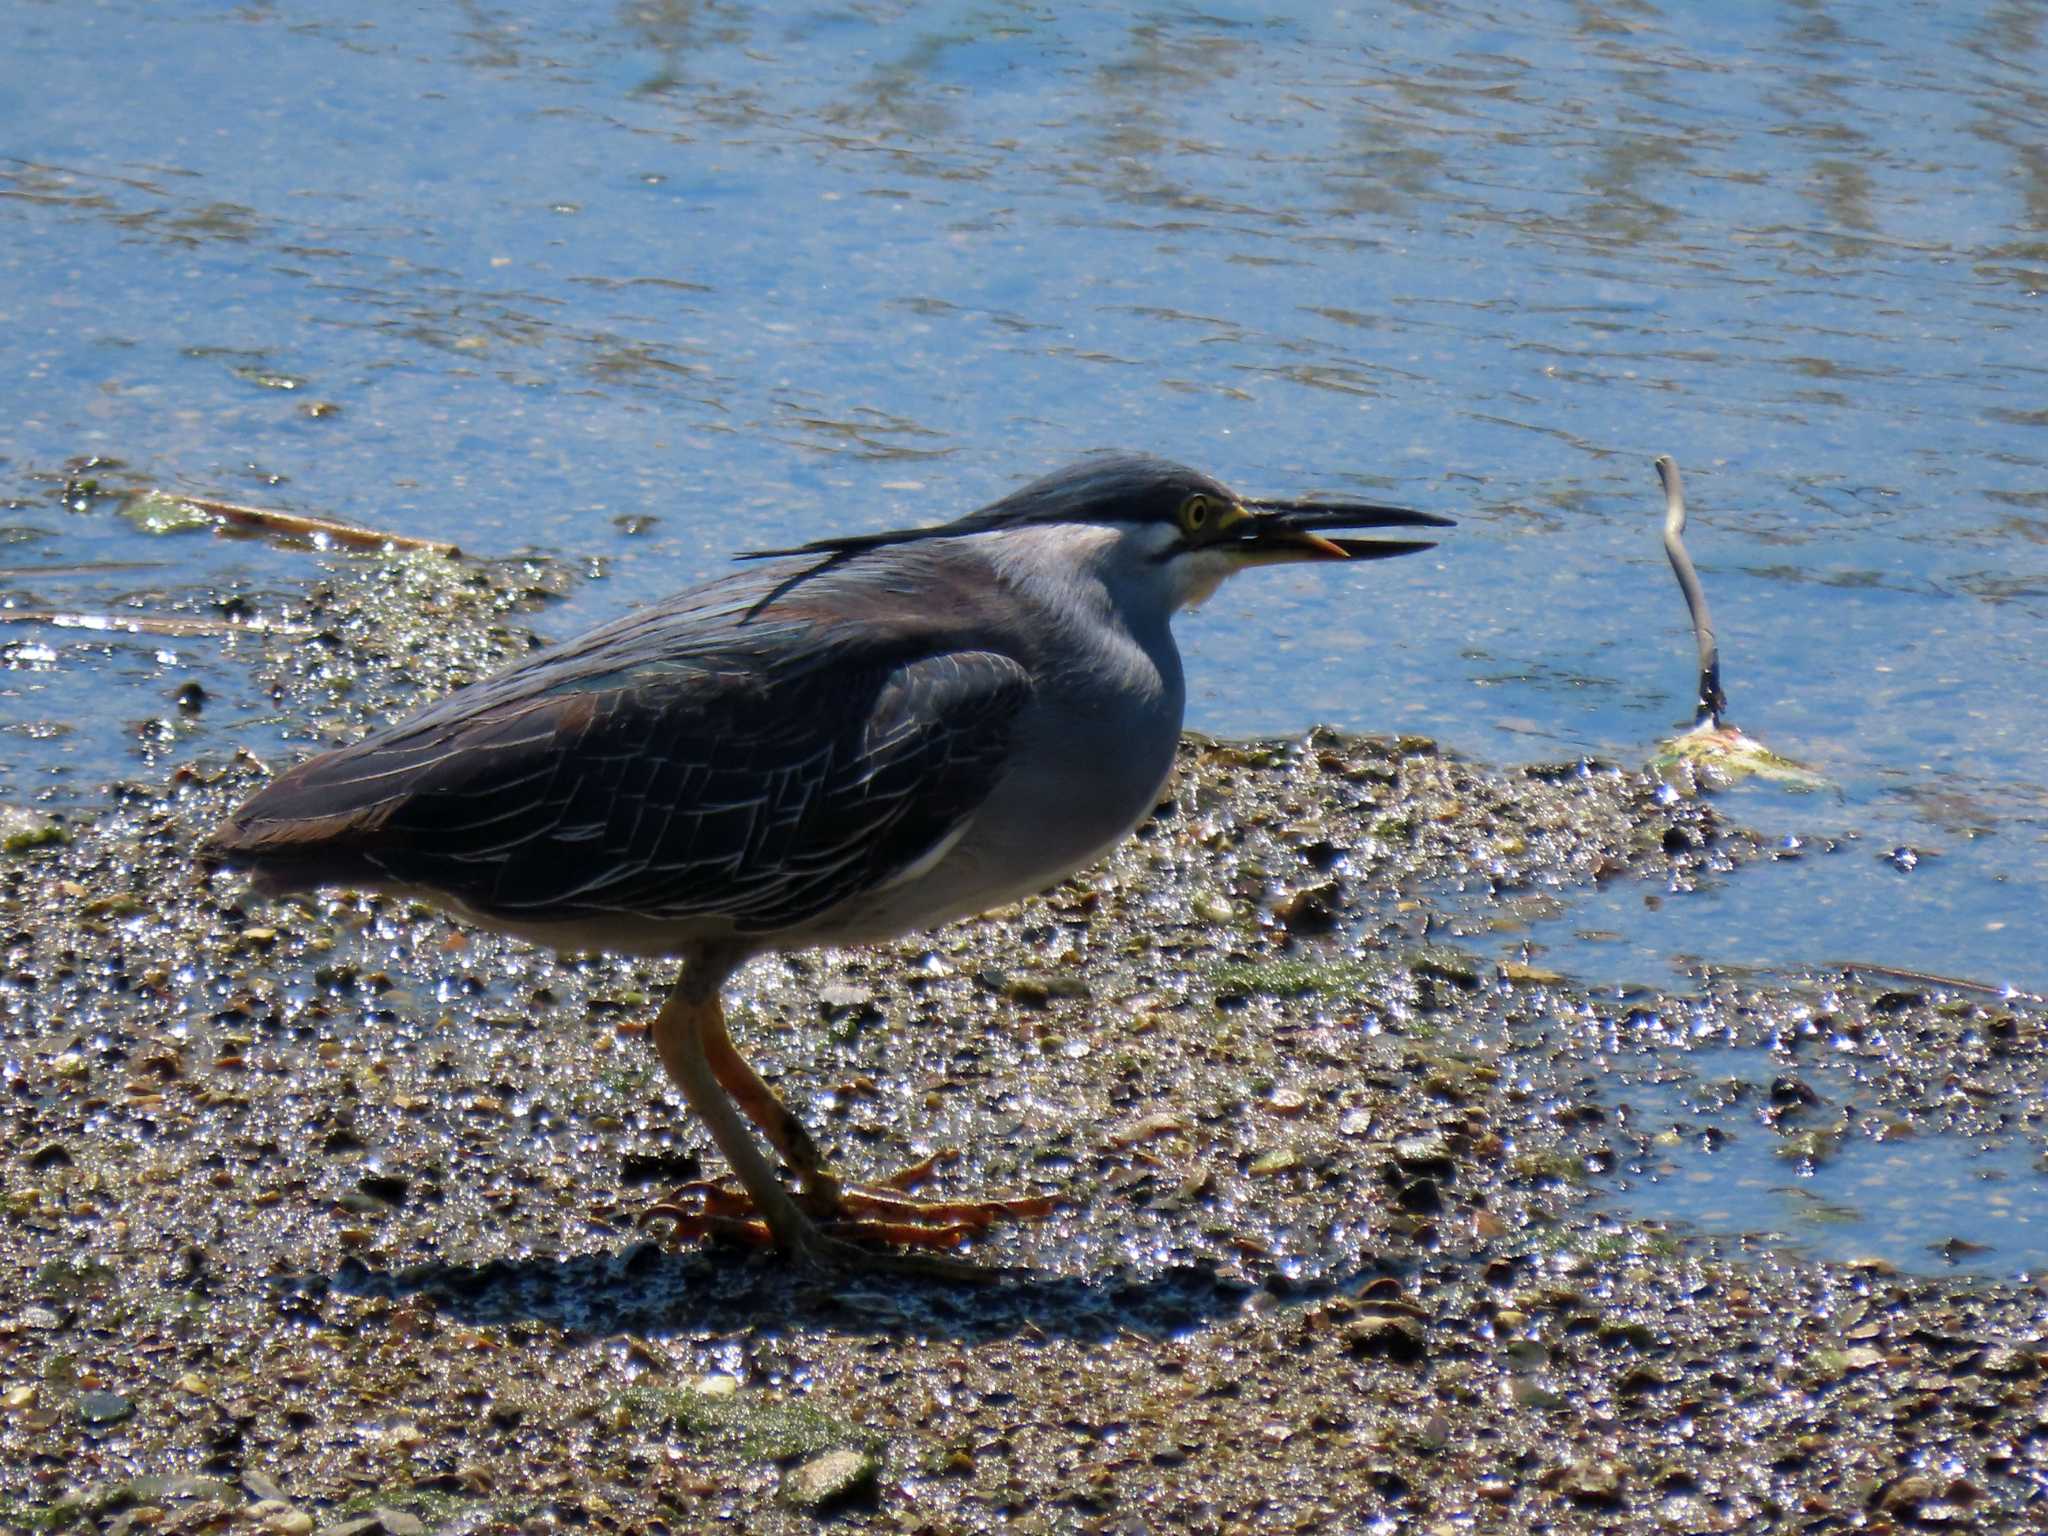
x: 648, y: 1291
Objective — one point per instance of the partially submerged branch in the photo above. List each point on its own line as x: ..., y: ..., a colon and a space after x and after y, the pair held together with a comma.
x: 1712, y: 702
x: 172, y: 624
x: 304, y: 525
x: 1712, y: 750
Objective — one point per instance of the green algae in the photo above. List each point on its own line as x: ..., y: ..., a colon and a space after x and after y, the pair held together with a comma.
x: 758, y: 1426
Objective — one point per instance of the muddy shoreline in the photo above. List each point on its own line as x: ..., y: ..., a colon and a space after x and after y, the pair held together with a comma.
x: 326, y: 1214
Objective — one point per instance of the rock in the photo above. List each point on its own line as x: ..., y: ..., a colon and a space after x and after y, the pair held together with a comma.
x: 2007, y: 1360
x: 1026, y: 991
x: 1638, y: 1379
x: 390, y: 1188
x: 399, y: 1522
x: 840, y: 999
x: 139, y: 1503
x: 1151, y: 1127
x: 1442, y: 963
x: 1287, y: 1102
x: 156, y: 1490
x: 1312, y: 909
x: 1421, y: 1196
x: 22, y: 830
x: 1907, y: 1494
x: 1596, y: 1480
x: 1428, y: 1153
x: 1387, y: 1338
x: 1279, y: 1160
x: 278, y: 1518
x: 103, y: 1407
x: 830, y: 1479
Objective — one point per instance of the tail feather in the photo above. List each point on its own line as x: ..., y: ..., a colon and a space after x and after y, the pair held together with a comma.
x: 281, y: 851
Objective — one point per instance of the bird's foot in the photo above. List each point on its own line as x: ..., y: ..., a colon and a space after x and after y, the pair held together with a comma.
x: 892, y: 1208
x: 852, y: 1226
x: 843, y: 1245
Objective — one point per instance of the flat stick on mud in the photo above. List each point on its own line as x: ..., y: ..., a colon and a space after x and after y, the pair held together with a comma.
x: 172, y: 624
x: 271, y: 520
x: 1712, y: 702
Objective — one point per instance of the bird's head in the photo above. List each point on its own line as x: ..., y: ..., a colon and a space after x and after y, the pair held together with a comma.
x: 1164, y: 527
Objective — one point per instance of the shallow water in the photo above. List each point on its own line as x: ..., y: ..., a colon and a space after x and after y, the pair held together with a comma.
x: 1925, y: 1203
x: 1879, y: 909
x: 758, y: 275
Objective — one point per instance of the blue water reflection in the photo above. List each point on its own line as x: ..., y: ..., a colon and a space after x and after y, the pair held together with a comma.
x: 1923, y: 1203
x: 764, y: 272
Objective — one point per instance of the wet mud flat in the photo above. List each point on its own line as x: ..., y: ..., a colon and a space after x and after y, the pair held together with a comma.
x: 328, y: 1214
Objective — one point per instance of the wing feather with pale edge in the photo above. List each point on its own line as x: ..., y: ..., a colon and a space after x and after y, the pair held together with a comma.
x: 681, y: 788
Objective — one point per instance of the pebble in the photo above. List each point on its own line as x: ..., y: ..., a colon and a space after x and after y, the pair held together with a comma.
x: 103, y: 1407
x: 1596, y: 1480
x: 1391, y: 1338
x: 839, y: 998
x: 1312, y: 909
x: 260, y: 1485
x: 1427, y: 1153
x: 829, y: 1479
x: 1907, y: 1494
x: 2007, y: 1360
x: 1146, y: 1129
x: 22, y: 829
x: 278, y: 1518
x: 1421, y: 1196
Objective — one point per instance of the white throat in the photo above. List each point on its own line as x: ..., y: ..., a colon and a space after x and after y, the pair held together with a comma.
x: 1138, y: 570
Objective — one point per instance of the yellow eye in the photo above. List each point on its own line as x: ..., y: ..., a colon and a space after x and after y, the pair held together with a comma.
x: 1194, y: 514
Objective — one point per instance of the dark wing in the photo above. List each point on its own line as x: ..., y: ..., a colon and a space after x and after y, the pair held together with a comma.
x: 699, y: 785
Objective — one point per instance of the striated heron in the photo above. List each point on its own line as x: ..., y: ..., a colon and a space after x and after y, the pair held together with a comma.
x: 858, y: 737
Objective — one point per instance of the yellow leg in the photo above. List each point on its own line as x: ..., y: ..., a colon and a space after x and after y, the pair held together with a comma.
x: 701, y: 1059
x: 680, y: 1032
x: 778, y: 1122
x: 898, y: 1219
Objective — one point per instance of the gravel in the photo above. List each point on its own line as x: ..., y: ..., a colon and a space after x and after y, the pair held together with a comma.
x: 326, y: 1214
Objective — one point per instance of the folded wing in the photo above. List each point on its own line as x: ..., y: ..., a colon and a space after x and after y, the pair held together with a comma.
x: 601, y: 781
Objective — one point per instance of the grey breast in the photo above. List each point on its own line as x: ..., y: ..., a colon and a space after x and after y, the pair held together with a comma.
x: 1087, y: 755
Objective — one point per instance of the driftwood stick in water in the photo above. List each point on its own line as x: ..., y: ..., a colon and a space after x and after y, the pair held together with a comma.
x: 1931, y: 979
x: 171, y: 624
x: 306, y: 526
x: 1713, y: 703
